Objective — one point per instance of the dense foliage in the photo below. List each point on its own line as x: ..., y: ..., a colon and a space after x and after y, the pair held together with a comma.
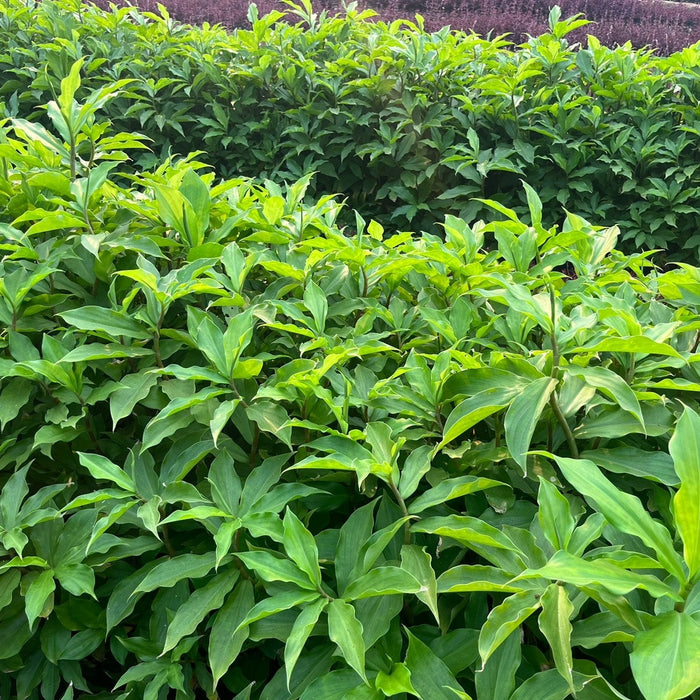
x: 408, y: 125
x: 250, y: 451
x: 663, y: 26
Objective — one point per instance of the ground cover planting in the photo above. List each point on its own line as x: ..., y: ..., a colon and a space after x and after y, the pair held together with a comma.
x: 258, y: 443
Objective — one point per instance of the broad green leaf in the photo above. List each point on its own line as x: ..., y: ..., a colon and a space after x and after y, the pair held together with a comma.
x: 102, y: 468
x: 103, y: 320
x: 221, y: 416
x: 133, y: 388
x: 275, y: 604
x: 345, y: 630
x: 303, y: 626
x: 496, y: 681
x: 554, y: 515
x: 227, y: 637
x: 504, y: 619
x: 419, y: 564
x: 583, y: 572
x: 13, y: 398
x: 554, y: 622
x: 623, y: 511
x: 655, y: 466
x: 171, y: 570
x: 340, y: 685
x: 316, y: 302
x: 601, y: 628
x: 449, y: 489
x: 197, y: 607
x: 473, y: 410
x: 271, y: 567
x: 665, y: 658
x: 684, y: 447
x: 384, y: 580
x: 37, y: 594
x: 429, y: 675
x: 416, y: 465
x: 476, y: 577
x: 271, y: 418
x: 612, y: 385
x: 357, y: 528
x: 637, y: 344
x: 301, y: 547
x: 397, y: 681
x: 522, y: 417
x: 100, y: 351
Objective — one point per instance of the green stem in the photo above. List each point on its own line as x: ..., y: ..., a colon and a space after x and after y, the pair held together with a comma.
x: 556, y: 409
x: 404, y: 510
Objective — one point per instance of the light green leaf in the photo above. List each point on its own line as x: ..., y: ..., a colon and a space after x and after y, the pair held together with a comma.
x: 449, y: 489
x: 554, y: 622
x: 504, y: 619
x: 197, y: 607
x: 227, y: 637
x: 384, y: 580
x: 396, y: 682
x: 655, y: 466
x: 554, y: 515
x: 316, y: 302
x: 496, y: 681
x: 271, y: 567
x: 37, y: 594
x: 275, y: 604
x: 522, y: 416
x: 102, y: 468
x: 133, y: 388
x: 623, y: 511
x: 666, y: 658
x: 100, y: 319
x: 476, y: 577
x: 582, y: 572
x: 345, y: 630
x: 685, y: 451
x: 416, y: 465
x: 303, y: 626
x: 171, y: 570
x: 301, y: 547
x: 473, y: 410
x: 637, y: 344
x: 429, y: 675
x: 419, y: 564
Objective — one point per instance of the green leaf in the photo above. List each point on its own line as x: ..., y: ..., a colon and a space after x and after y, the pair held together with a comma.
x: 449, y: 489
x: 684, y: 447
x: 132, y: 389
x: 416, y: 465
x: 554, y: 622
x: 37, y: 594
x: 303, y: 626
x: 13, y: 398
x: 345, y: 630
x: 476, y: 577
x: 419, y: 564
x: 637, y: 344
x: 582, y: 572
x: 504, y: 619
x: 271, y: 567
x: 554, y: 515
x: 623, y: 511
x: 301, y: 547
x: 171, y: 570
x: 429, y: 675
x: 522, y: 417
x: 496, y: 681
x: 227, y: 636
x: 655, y: 466
x: 666, y: 657
x: 197, y: 607
x: 397, y: 681
x: 473, y: 410
x: 113, y: 323
x: 384, y: 580
x: 102, y: 468
x: 100, y: 351
x: 275, y: 604
x: 316, y: 302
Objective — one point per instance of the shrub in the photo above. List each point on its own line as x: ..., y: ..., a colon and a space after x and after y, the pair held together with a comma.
x: 244, y: 450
